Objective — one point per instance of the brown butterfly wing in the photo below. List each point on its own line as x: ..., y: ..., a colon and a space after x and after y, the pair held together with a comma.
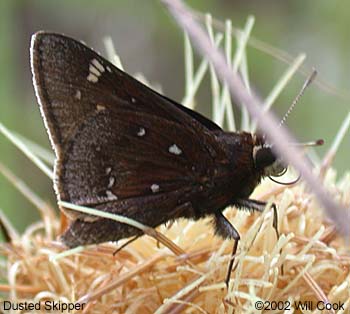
x: 120, y: 146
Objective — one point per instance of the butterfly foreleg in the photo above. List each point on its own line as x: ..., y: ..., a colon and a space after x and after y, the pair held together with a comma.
x: 259, y: 206
x: 225, y: 229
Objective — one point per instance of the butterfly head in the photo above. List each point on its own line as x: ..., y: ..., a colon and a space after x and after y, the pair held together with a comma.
x: 266, y: 160
x: 269, y: 164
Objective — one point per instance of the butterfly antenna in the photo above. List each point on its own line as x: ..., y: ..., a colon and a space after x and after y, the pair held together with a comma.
x: 306, y: 84
x: 319, y: 142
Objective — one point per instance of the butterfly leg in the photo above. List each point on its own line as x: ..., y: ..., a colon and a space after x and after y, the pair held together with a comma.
x: 125, y: 244
x: 225, y: 229
x: 259, y: 206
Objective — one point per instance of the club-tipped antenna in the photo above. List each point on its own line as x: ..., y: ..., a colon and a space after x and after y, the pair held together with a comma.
x: 306, y: 84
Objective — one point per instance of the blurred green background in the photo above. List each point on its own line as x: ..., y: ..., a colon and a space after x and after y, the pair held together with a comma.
x: 148, y: 41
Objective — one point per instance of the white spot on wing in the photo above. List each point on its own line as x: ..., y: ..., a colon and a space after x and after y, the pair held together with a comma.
x: 98, y: 65
x: 92, y: 78
x: 111, y: 196
x: 108, y: 170
x: 141, y: 132
x: 100, y: 107
x: 108, y: 69
x: 94, y: 71
x: 174, y: 149
x: 133, y: 100
x: 78, y: 94
x: 111, y: 182
x: 155, y: 188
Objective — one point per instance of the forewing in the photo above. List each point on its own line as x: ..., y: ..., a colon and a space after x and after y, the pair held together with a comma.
x: 71, y: 79
x: 115, y: 139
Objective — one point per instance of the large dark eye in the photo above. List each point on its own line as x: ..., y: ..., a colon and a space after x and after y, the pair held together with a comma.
x: 264, y: 157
